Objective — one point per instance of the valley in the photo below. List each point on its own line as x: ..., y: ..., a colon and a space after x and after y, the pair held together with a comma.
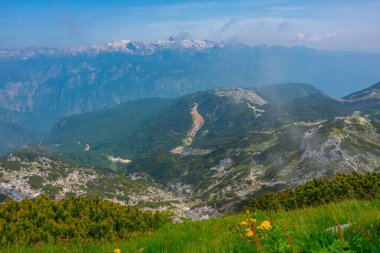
x: 201, y: 155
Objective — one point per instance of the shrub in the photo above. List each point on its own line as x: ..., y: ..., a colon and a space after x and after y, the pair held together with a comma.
x: 321, y: 191
x: 72, y: 219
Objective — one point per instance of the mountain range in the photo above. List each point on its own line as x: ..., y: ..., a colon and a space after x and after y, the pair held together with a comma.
x: 38, y: 86
x: 202, y: 153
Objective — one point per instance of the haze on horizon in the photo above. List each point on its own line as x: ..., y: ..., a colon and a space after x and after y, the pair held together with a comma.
x: 334, y: 24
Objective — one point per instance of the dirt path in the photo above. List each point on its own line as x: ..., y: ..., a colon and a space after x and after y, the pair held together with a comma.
x: 198, y: 122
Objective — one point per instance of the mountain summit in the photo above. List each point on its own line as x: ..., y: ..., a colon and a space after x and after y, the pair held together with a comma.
x: 126, y: 46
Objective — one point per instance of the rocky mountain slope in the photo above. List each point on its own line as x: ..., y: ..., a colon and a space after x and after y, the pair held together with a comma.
x: 208, y: 151
x: 34, y: 170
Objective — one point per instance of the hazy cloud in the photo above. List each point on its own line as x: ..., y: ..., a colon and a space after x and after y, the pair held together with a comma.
x: 302, y: 37
x: 322, y: 37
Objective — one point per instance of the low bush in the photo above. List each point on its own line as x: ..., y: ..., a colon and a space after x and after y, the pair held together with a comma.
x: 72, y: 219
x: 321, y: 191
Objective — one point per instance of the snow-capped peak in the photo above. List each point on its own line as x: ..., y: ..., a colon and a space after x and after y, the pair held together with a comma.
x: 130, y: 46
x: 183, y: 40
x: 197, y: 44
x: 118, y: 43
x: 176, y: 41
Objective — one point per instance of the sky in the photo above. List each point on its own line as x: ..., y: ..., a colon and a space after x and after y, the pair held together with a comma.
x: 321, y: 24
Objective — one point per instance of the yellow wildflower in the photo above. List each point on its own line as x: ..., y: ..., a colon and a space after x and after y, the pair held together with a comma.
x: 265, y: 225
x: 247, y: 212
x: 249, y: 233
x: 248, y: 229
x: 117, y: 251
x: 243, y: 223
x: 252, y: 220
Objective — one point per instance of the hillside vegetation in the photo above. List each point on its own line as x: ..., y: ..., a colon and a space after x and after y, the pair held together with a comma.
x: 310, y: 229
x: 74, y: 219
x: 34, y: 170
x: 287, y: 221
x: 321, y: 191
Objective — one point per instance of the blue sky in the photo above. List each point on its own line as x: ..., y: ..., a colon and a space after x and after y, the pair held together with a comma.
x: 333, y: 24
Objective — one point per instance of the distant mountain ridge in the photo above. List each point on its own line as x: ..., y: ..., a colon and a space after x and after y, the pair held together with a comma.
x: 372, y: 92
x: 40, y: 85
x: 124, y: 46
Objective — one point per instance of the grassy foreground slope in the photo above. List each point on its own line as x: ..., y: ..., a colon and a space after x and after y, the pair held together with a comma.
x: 307, y: 227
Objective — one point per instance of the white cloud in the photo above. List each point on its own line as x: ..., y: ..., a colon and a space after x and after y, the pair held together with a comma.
x: 310, y: 32
x: 316, y: 38
x: 300, y: 37
x: 322, y: 37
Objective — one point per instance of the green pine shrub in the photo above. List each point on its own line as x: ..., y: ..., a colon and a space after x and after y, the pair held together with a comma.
x: 74, y: 219
x: 321, y: 191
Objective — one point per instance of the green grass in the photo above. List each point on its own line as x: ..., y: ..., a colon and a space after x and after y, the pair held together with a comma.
x: 306, y: 226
